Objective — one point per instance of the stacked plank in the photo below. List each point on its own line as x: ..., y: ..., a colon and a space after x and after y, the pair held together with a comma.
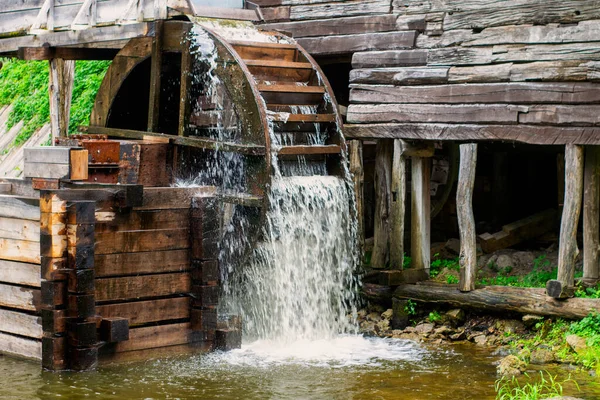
x: 20, y: 297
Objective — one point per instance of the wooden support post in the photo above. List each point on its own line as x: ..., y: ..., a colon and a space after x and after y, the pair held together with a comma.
x: 567, y: 248
x: 420, y: 213
x: 62, y: 73
x: 591, y: 215
x: 383, y: 187
x: 155, y: 75
x: 186, y: 79
x: 466, y: 219
x: 397, y: 206
x: 355, y: 150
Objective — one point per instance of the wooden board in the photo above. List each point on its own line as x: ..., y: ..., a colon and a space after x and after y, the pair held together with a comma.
x: 172, y: 198
x: 400, y: 75
x: 19, y: 297
x: 345, y: 8
x: 20, y: 273
x: 20, y: 207
x: 143, y: 312
x: 111, y: 221
x: 20, y: 250
x: 142, y: 241
x: 562, y: 115
x: 137, y: 287
x: 156, y: 336
x: 20, y: 323
x: 337, y: 26
x: 141, y: 263
x: 20, y: 347
x: 20, y: 229
x: 389, y: 58
x: 327, y: 45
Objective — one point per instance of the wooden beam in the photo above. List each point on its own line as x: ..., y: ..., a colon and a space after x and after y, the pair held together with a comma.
x: 567, y: 248
x: 65, y: 53
x: 358, y: 177
x: 420, y: 213
x: 466, y: 219
x: 398, y: 205
x: 591, y: 214
x: 62, y: 74
x: 155, y: 79
x: 20, y: 347
x: 383, y: 182
x: 139, y: 287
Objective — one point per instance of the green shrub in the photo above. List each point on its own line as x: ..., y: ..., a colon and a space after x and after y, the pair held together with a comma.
x: 546, y: 387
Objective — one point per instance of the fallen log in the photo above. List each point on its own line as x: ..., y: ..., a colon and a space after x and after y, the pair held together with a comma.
x: 496, y: 299
x: 377, y: 293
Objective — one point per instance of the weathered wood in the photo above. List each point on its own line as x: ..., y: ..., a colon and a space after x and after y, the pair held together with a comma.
x: 389, y: 58
x: 338, y: 26
x: 19, y: 273
x: 567, y: 248
x: 306, y: 150
x: 519, y: 231
x: 517, y: 133
x: 591, y: 214
x: 397, y: 277
x: 65, y: 53
x: 397, y: 205
x: 137, y: 287
x: 383, y: 182
x: 400, y: 75
x: 20, y: 324
x: 420, y: 213
x: 141, y: 241
x: 141, y: 263
x: 520, y: 93
x: 172, y: 198
x: 355, y: 155
x: 462, y: 56
x: 19, y: 229
x: 62, y: 74
x: 20, y: 347
x: 110, y: 221
x: 143, y: 312
x: 561, y: 115
x: 20, y: 250
x: 114, y: 329
x: 466, y: 219
x: 333, y: 44
x: 155, y: 79
x: 346, y: 8
x: 363, y: 113
x: 20, y: 207
x: 500, y: 299
x: 19, y: 297
x: 156, y: 336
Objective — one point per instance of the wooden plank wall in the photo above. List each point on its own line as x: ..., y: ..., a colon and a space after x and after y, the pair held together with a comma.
x: 20, y: 299
x: 514, y: 70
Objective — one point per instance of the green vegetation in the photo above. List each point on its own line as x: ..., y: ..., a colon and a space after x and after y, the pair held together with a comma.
x: 435, y: 316
x: 410, y: 308
x: 437, y: 265
x: 24, y: 84
x: 539, y: 275
x: 546, y: 387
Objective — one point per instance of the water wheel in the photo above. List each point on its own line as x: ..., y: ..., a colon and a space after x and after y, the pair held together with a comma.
x: 231, y: 100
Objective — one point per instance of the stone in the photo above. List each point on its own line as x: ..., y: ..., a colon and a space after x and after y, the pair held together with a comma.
x: 511, y: 366
x: 368, y: 328
x: 424, y: 328
x: 361, y: 314
x: 443, y: 330
x: 382, y: 326
x: 504, y: 261
x: 396, y: 333
x: 399, y: 315
x: 510, y: 326
x: 541, y: 356
x: 373, y: 316
x: 577, y: 343
x: 524, y: 354
x: 387, y: 314
x: 453, y: 246
x: 454, y: 317
x: 459, y: 336
x: 480, y: 340
x: 522, y: 258
x: 375, y: 308
x: 410, y: 329
x: 529, y: 320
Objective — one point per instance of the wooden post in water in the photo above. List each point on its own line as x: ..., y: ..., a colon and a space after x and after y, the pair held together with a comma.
x: 466, y: 219
x: 420, y: 213
x: 562, y: 287
x: 62, y: 73
x: 383, y: 182
x: 591, y: 215
x: 355, y: 151
x: 397, y: 206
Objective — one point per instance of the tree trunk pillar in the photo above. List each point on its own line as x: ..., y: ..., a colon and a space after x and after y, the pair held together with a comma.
x: 591, y: 214
x: 466, y: 219
x: 567, y: 247
x: 420, y: 212
x: 398, y: 205
x: 62, y: 73
x: 355, y: 150
x: 383, y: 183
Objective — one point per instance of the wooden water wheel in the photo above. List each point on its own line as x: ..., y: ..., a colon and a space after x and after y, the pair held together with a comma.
x: 214, y: 100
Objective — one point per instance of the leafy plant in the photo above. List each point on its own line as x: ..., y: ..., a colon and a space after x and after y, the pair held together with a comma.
x: 410, y: 308
x: 407, y: 262
x: 538, y: 276
x: 434, y: 316
x: 438, y: 264
x: 451, y: 279
x: 546, y: 387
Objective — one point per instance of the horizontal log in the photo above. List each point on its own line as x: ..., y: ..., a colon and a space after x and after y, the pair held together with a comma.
x: 138, y: 287
x: 142, y: 241
x: 501, y: 299
x: 20, y: 297
x: 400, y: 76
x: 516, y: 133
x: 19, y: 323
x: 141, y: 263
x: 20, y: 250
x: 562, y: 115
x: 497, y: 113
x: 172, y: 198
x: 338, y: 9
x: 143, y: 312
x: 112, y: 221
x: 543, y: 52
x: 20, y: 347
x: 156, y: 336
x: 326, y: 45
x: 461, y: 56
x: 20, y: 229
x: 19, y: 273
x: 519, y: 93
x: 337, y: 26
x: 20, y: 207
x: 389, y: 58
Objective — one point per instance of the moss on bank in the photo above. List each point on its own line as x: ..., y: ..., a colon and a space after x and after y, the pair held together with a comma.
x: 24, y: 85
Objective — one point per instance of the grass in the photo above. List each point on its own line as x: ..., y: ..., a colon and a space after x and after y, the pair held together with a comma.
x: 24, y: 85
x: 546, y: 387
x: 438, y: 264
x: 539, y: 275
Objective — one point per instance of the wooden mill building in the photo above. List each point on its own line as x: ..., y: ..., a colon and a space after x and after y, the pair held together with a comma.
x: 431, y: 91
